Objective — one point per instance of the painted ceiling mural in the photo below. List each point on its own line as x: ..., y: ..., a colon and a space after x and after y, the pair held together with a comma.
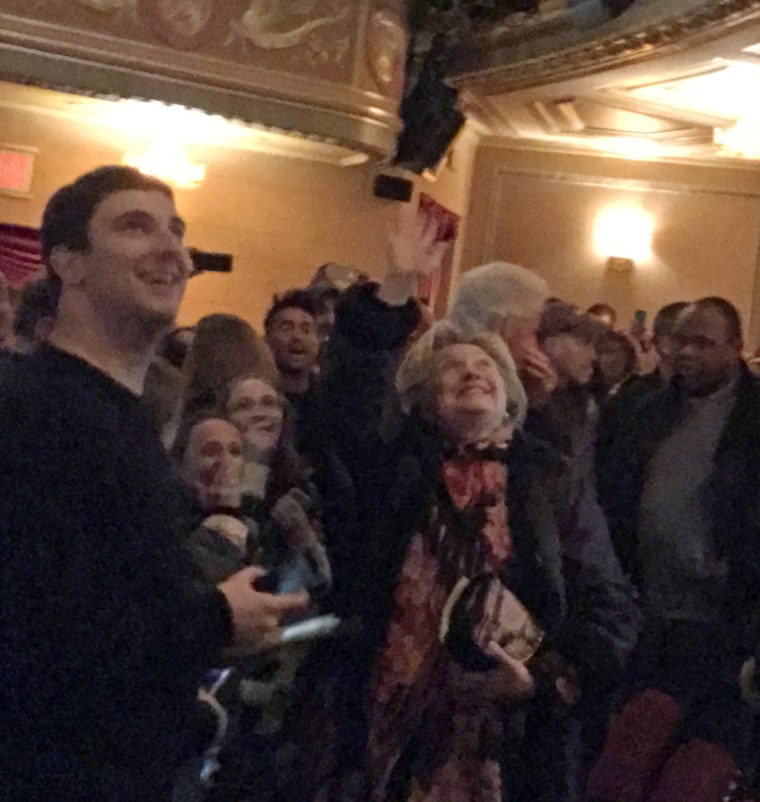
x: 328, y: 68
x: 287, y: 35
x: 576, y: 73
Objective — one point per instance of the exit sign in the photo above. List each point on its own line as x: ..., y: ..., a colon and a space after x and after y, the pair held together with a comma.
x: 16, y: 166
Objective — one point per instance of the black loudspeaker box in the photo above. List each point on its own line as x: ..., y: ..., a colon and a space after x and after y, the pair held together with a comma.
x: 393, y: 188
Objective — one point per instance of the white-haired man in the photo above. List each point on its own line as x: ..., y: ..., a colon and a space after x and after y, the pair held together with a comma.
x: 508, y: 299
x: 589, y: 613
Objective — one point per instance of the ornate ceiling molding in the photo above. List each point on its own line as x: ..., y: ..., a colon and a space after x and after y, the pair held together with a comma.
x: 499, y: 70
x: 323, y: 69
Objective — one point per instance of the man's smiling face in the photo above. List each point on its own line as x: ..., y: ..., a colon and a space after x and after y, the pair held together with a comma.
x: 136, y: 265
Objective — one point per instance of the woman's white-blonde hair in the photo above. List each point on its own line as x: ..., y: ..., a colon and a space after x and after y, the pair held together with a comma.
x: 416, y: 379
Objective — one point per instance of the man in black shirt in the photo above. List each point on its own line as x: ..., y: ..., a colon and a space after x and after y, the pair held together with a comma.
x: 105, y: 629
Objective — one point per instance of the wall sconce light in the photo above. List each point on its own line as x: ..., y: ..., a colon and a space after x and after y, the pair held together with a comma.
x: 169, y: 163
x: 623, y: 234
x: 620, y: 264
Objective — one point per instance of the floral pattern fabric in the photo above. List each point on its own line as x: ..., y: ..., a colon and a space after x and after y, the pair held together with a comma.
x: 428, y: 719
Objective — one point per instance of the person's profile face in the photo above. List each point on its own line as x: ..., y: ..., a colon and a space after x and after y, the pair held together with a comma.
x: 572, y: 358
x: 519, y: 335
x: 136, y: 265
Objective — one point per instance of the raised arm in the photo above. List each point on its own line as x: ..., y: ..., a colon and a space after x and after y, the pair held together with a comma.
x: 373, y: 324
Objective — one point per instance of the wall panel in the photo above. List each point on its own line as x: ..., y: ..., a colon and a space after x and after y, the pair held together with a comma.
x: 539, y: 210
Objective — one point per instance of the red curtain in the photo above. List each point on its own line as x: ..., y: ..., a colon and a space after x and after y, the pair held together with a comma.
x: 20, y: 256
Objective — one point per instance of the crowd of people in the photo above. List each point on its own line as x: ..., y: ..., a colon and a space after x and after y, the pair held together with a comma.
x: 508, y: 556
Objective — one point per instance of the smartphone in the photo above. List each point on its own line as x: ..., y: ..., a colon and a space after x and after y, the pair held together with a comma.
x: 311, y: 629
x: 291, y: 576
x: 639, y: 324
x: 271, y: 582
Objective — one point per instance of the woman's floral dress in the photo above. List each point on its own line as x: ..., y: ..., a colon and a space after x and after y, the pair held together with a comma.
x: 434, y: 734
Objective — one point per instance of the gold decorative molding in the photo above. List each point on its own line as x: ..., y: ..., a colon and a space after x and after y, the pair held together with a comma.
x: 386, y: 50
x: 609, y: 50
x: 274, y: 26
x: 287, y: 65
x: 105, y: 6
x: 184, y: 24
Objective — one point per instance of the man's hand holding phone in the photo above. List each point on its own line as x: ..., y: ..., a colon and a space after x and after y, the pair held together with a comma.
x: 256, y: 615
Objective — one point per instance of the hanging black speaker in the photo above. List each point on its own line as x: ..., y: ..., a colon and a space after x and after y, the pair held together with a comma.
x: 430, y: 113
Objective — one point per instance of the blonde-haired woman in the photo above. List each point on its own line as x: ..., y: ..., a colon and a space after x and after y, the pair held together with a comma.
x: 412, y: 710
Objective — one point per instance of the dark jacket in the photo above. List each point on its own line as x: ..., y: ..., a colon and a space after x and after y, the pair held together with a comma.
x: 396, y: 466
x: 395, y: 462
x: 367, y: 547
x: 593, y: 617
x: 617, y: 416
x: 732, y: 493
x: 563, y: 568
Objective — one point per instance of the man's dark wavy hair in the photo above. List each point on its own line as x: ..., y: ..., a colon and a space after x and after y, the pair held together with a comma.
x: 298, y: 299
x: 67, y: 215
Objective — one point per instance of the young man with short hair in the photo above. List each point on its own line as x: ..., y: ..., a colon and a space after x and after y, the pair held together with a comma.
x: 105, y: 628
x: 291, y: 332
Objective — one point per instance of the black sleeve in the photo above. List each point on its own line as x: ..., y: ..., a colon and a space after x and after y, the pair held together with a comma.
x: 356, y: 386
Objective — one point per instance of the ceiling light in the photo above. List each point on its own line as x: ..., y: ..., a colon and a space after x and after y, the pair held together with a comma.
x: 192, y: 126
x: 174, y: 122
x: 728, y: 90
x: 168, y: 162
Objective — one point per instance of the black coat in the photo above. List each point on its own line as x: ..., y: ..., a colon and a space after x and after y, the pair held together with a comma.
x: 732, y: 494
x: 590, y: 609
x: 582, y: 600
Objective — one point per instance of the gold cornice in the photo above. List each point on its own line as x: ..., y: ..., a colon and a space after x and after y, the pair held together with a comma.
x: 537, y: 146
x: 88, y: 62
x: 666, y: 37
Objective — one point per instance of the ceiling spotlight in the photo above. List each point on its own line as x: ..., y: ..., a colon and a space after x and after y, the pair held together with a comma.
x: 169, y: 163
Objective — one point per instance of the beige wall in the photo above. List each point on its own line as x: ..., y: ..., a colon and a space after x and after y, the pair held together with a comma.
x: 279, y: 217
x: 538, y: 209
